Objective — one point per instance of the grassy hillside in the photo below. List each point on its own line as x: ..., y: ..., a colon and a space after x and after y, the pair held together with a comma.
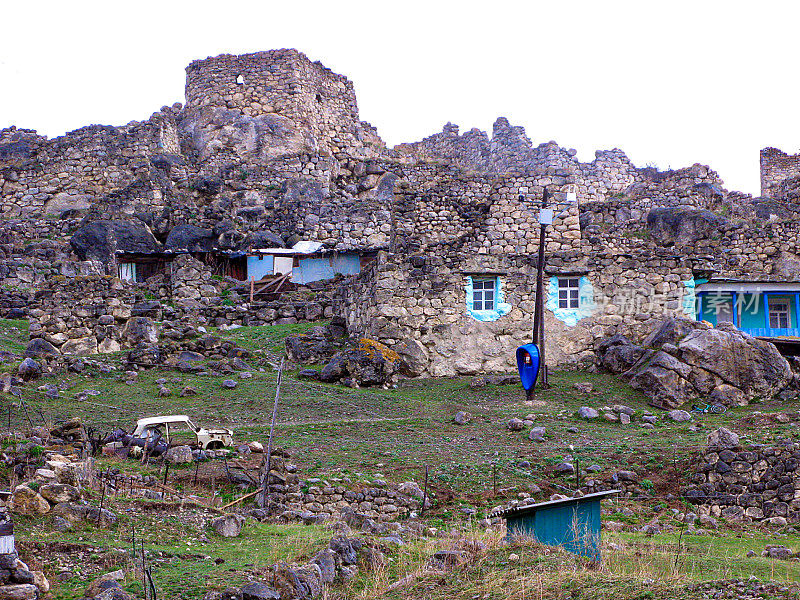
x: 393, y: 434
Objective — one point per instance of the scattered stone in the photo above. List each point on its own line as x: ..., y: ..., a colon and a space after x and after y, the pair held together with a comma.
x: 229, y: 525
x: 777, y: 552
x: 584, y: 387
x: 462, y: 418
x: 586, y: 412
x: 229, y: 384
x: 515, y: 424
x: 537, y: 434
x: 564, y: 468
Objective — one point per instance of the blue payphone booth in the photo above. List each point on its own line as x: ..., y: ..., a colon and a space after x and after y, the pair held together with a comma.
x: 528, y: 365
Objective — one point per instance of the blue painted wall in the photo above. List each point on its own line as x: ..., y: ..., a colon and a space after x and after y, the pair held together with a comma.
x: 326, y: 267
x: 753, y: 310
x: 258, y: 267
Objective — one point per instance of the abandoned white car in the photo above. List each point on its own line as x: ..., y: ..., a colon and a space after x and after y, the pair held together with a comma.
x: 175, y: 429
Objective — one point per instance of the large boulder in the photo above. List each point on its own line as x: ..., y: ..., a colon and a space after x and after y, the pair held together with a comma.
x: 414, y: 357
x: 190, y: 238
x: 264, y: 239
x: 67, y: 203
x: 229, y: 525
x: 723, y: 438
x: 101, y: 240
x: 59, y: 492
x: 179, y: 455
x: 683, y: 226
x: 138, y: 330
x: 267, y: 136
x: 84, y: 346
x: 145, y: 355
x: 367, y: 363
x: 41, y: 348
x: 29, y: 369
x: 618, y: 353
x: 312, y: 346
x: 255, y: 590
x: 682, y: 360
x: 26, y: 501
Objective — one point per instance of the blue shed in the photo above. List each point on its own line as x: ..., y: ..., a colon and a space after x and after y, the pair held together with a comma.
x: 572, y: 523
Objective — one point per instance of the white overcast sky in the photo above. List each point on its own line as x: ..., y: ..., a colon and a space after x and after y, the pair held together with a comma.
x: 670, y: 82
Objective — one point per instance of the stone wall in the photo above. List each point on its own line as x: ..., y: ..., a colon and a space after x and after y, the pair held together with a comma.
x: 81, y: 315
x: 776, y: 166
x: 269, y: 149
x: 42, y: 176
x: 748, y: 484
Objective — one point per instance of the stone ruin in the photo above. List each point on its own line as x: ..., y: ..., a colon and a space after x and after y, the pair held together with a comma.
x: 269, y: 150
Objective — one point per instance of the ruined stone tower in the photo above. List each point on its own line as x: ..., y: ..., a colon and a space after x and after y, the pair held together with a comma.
x: 286, y: 83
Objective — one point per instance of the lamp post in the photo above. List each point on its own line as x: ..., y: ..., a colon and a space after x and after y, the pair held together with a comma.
x: 545, y: 218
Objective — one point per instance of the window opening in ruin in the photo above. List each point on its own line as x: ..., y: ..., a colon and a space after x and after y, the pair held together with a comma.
x: 127, y: 271
x: 569, y: 293
x: 483, y: 294
x: 319, y: 98
x: 240, y: 80
x: 779, y: 317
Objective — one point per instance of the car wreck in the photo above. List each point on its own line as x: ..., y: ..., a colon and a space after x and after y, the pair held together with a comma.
x: 170, y: 428
x: 154, y: 435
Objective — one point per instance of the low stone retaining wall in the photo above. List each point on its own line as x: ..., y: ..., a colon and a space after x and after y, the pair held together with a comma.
x: 748, y: 484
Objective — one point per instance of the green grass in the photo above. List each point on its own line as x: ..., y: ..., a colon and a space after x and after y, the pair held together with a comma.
x: 722, y: 555
x: 398, y: 432
x: 646, y: 569
x: 184, y: 564
x: 13, y: 335
x: 393, y: 434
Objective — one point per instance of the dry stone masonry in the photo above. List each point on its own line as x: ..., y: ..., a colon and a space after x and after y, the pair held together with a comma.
x: 269, y: 150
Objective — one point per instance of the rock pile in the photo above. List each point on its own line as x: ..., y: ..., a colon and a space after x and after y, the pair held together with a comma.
x: 17, y: 581
x: 365, y: 363
x: 682, y: 360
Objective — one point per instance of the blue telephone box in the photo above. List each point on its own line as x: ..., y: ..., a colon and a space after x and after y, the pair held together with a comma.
x: 528, y: 364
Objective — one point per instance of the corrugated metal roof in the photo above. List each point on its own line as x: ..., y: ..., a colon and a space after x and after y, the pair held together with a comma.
x: 521, y: 510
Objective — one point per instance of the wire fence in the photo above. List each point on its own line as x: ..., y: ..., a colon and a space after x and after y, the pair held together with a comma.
x: 454, y: 468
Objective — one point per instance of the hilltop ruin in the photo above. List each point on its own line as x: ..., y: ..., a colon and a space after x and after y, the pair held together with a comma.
x: 432, y: 244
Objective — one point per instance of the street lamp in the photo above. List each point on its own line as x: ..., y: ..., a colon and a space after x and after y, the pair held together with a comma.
x: 546, y: 217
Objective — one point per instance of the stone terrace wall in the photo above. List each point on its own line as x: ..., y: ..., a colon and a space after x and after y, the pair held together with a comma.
x: 471, y: 152
x: 748, y: 484
x: 776, y: 166
x: 81, y: 315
